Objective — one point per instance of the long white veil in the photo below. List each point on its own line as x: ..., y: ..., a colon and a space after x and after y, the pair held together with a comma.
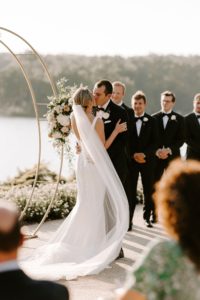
x: 116, y: 199
x: 57, y: 259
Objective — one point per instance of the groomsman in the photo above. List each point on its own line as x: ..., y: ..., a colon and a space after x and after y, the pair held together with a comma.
x: 192, y: 124
x: 143, y: 143
x: 171, y: 133
x: 117, y: 97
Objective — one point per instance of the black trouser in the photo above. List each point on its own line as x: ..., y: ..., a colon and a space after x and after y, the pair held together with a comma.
x: 146, y: 171
x: 122, y: 167
x: 130, y: 196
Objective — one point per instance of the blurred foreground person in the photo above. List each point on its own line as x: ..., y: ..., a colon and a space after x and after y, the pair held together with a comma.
x: 171, y: 269
x: 14, y: 283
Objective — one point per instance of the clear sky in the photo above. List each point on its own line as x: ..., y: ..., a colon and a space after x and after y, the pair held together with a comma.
x: 104, y: 27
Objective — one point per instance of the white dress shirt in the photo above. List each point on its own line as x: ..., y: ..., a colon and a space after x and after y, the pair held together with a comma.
x: 198, y: 118
x: 10, y: 265
x: 106, y: 104
x: 165, y: 118
x: 139, y: 124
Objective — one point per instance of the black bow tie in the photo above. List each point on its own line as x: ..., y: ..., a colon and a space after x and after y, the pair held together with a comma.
x: 164, y: 114
x: 96, y: 109
x: 101, y: 108
x: 138, y: 118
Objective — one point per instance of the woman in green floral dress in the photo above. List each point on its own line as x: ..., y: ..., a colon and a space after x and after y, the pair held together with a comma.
x: 171, y: 269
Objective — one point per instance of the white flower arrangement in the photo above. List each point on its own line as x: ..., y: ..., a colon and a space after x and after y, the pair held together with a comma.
x: 65, y: 201
x: 145, y: 119
x: 58, y: 114
x: 173, y: 117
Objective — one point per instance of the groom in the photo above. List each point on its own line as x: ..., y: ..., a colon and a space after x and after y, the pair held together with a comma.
x: 113, y: 113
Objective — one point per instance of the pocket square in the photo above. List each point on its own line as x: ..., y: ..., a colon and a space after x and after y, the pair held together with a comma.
x: 108, y: 121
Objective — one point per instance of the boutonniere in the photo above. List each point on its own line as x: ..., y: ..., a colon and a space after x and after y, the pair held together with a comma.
x: 103, y: 114
x: 145, y: 119
x: 173, y: 117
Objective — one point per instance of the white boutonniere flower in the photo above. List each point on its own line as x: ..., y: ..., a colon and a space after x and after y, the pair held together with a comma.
x: 106, y: 115
x: 145, y: 119
x: 173, y: 117
x: 103, y: 114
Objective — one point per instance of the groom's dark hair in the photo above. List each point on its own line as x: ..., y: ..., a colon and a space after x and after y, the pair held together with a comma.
x: 107, y: 84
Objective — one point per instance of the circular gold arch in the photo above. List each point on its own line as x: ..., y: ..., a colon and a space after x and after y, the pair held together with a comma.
x: 53, y: 87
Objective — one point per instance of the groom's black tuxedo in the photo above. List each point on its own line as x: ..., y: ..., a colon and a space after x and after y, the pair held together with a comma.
x: 117, y: 150
x: 192, y: 127
x: 145, y: 142
x: 172, y: 136
x: 15, y: 285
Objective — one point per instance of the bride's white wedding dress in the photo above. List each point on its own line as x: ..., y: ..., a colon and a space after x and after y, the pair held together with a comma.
x: 90, y: 238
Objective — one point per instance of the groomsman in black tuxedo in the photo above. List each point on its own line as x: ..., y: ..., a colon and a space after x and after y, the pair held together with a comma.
x: 171, y: 134
x: 171, y: 131
x: 143, y: 143
x: 112, y: 114
x: 118, y: 94
x: 15, y: 284
x: 192, y: 124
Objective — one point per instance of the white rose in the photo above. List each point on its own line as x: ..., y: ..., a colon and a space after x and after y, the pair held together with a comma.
x: 102, y: 114
x: 99, y: 114
x: 106, y: 115
x: 145, y: 119
x: 63, y: 120
x: 173, y: 117
x: 65, y: 129
x: 58, y: 109
x: 53, y: 125
x: 50, y: 117
x: 57, y: 135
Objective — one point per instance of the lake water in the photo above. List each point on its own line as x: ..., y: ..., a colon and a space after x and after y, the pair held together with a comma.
x: 19, y: 147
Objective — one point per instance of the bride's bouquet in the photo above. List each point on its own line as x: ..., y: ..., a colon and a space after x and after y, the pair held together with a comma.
x: 58, y: 114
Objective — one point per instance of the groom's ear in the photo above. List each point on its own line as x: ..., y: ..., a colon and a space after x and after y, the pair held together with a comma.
x: 109, y: 96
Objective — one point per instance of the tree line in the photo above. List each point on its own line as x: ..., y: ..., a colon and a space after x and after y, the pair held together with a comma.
x: 153, y: 74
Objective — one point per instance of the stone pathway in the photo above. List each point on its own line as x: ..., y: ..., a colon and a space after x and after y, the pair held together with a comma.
x: 102, y: 285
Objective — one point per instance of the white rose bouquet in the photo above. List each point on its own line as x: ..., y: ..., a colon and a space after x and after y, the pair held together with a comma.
x: 58, y: 114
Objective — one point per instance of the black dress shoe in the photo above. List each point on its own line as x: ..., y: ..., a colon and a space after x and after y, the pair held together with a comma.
x: 153, y: 217
x: 154, y: 220
x: 121, y: 254
x: 148, y: 224
x: 130, y: 227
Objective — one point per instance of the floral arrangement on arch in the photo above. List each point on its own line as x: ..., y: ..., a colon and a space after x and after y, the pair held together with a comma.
x: 58, y: 114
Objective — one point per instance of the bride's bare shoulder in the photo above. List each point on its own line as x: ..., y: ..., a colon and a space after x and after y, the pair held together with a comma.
x: 99, y: 123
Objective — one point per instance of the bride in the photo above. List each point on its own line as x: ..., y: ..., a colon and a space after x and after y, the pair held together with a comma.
x: 90, y: 238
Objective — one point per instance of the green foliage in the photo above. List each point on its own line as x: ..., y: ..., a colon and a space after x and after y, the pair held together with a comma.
x: 152, y: 74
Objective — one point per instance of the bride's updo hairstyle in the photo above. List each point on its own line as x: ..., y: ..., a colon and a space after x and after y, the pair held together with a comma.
x: 83, y: 96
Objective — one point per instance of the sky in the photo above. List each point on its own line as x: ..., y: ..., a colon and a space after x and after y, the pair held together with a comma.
x: 104, y: 27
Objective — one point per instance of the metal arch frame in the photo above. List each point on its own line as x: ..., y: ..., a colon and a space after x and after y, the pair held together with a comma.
x: 38, y: 124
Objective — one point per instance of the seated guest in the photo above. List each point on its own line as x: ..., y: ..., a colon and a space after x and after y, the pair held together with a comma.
x: 14, y: 283
x: 171, y: 269
x: 192, y: 125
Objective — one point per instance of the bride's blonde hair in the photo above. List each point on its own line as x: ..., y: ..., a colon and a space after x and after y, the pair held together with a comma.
x: 82, y: 97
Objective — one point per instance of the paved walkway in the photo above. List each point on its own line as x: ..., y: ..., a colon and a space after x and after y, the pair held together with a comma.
x: 102, y: 285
